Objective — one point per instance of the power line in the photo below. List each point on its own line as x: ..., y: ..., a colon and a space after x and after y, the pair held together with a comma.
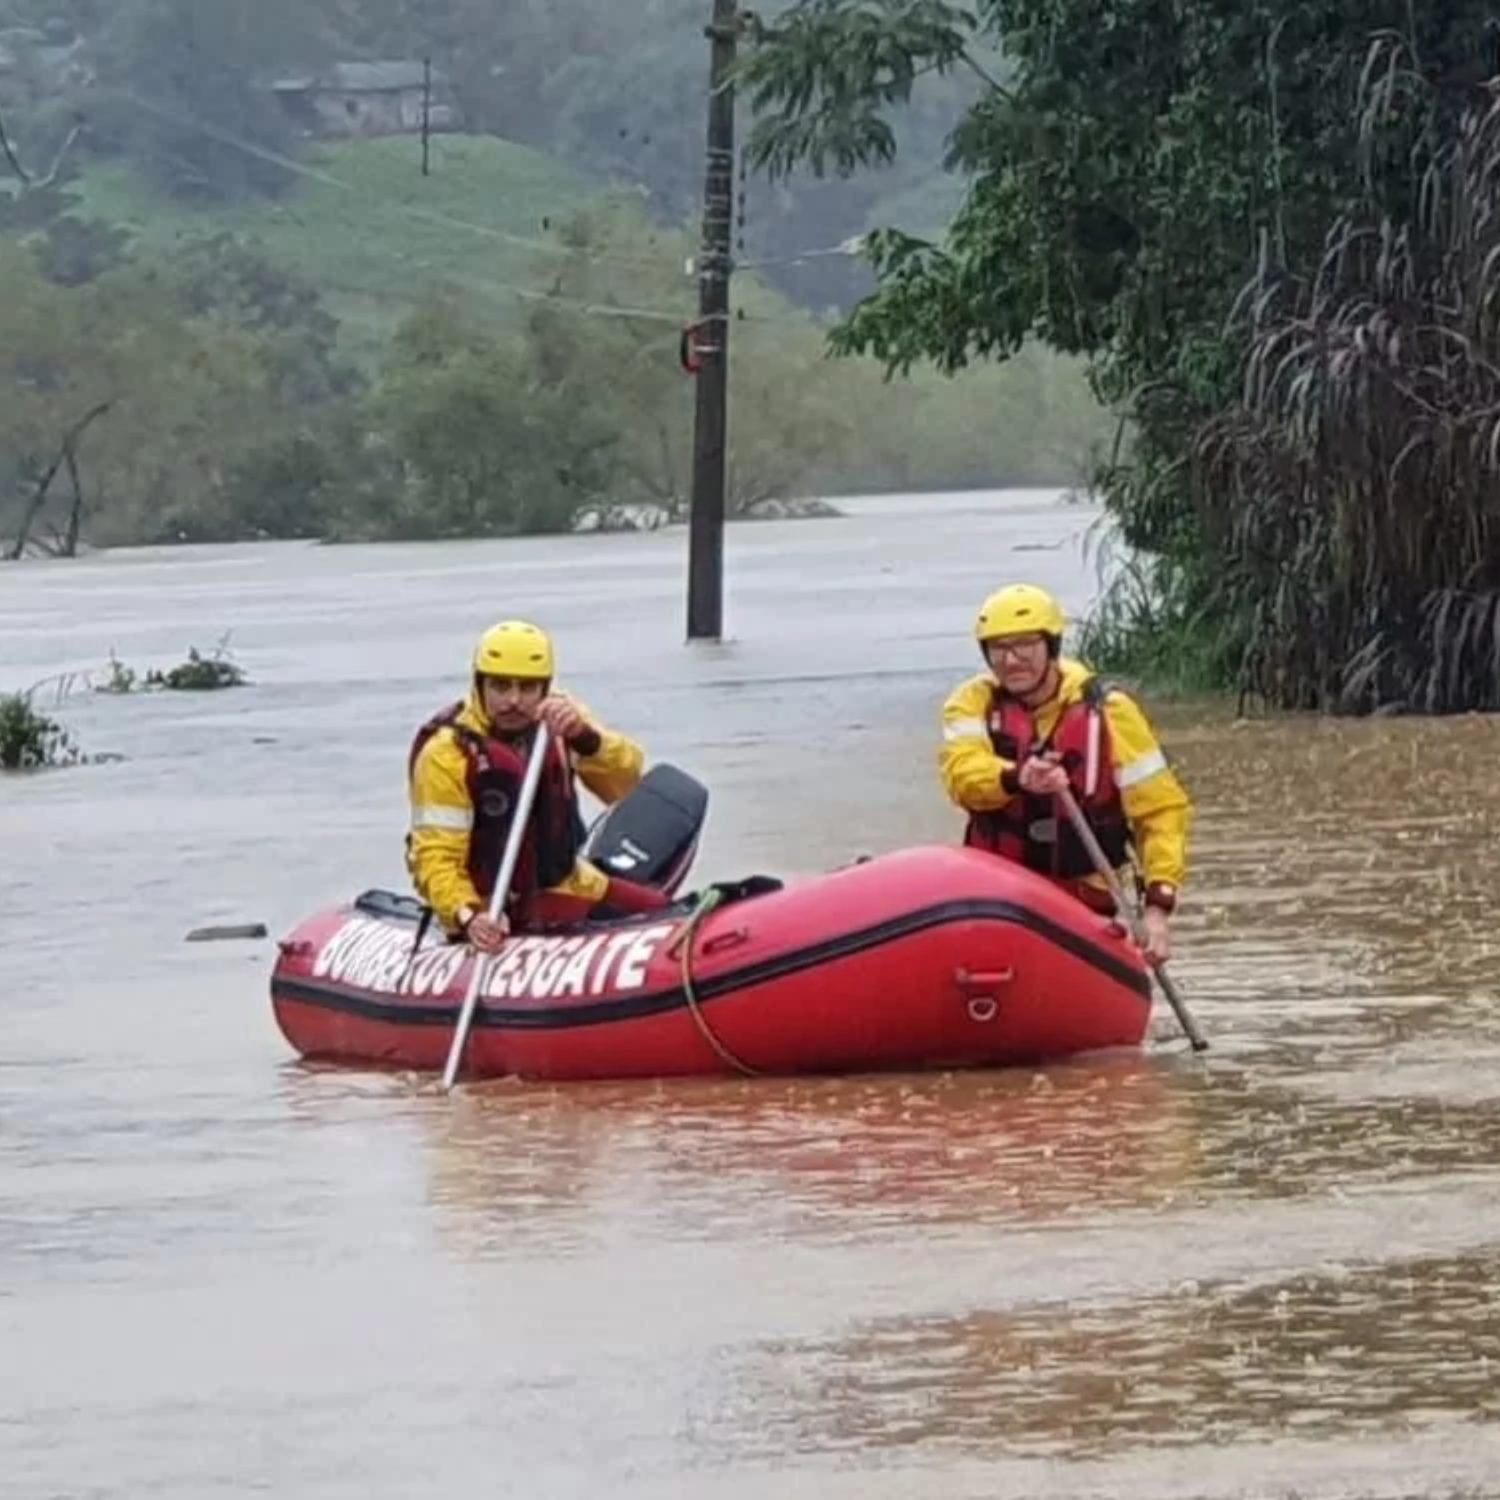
x: 847, y: 247
x: 529, y: 294
x: 584, y: 307
x: 408, y: 210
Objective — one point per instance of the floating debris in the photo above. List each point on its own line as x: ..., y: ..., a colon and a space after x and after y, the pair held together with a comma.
x: 227, y: 934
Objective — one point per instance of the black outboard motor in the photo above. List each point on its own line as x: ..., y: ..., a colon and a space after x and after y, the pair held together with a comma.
x: 652, y: 835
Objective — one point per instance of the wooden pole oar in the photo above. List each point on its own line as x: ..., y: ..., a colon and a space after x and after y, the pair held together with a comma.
x: 1131, y: 914
x: 513, y: 838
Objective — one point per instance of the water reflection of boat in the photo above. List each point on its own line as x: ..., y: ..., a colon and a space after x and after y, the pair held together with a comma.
x: 1116, y: 1131
x: 930, y: 957
x: 802, y: 1160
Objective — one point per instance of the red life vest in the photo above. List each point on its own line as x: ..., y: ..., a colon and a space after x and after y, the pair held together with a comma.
x: 1029, y: 829
x: 496, y: 769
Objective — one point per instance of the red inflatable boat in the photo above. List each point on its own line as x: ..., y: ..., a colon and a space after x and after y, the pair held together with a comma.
x: 932, y: 957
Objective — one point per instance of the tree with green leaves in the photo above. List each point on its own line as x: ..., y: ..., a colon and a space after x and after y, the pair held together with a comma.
x: 234, y: 279
x: 1351, y: 486
x: 124, y: 414
x: 793, y: 431
x: 470, y: 441
x: 1138, y: 167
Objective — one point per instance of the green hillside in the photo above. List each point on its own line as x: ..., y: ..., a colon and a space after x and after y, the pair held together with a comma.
x: 370, y: 232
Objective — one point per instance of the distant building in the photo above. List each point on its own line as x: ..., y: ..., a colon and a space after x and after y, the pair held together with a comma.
x: 361, y: 99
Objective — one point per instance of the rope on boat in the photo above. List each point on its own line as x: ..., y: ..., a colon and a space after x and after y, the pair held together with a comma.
x: 706, y: 903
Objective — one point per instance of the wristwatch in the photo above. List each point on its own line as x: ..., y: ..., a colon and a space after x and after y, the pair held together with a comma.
x: 465, y: 915
x: 1162, y: 896
x: 588, y: 741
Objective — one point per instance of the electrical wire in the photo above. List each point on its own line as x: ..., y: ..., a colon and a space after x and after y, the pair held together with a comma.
x: 676, y: 317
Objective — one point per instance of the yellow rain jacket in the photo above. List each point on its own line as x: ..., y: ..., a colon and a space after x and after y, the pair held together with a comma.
x: 1157, y: 808
x: 442, y: 815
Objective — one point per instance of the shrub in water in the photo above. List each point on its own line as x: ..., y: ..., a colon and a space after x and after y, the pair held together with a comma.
x: 30, y: 740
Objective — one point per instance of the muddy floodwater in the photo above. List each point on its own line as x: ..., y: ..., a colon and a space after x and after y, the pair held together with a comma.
x: 1275, y: 1270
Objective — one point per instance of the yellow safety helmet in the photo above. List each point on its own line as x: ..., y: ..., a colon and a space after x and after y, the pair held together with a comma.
x: 514, y: 648
x: 1018, y: 610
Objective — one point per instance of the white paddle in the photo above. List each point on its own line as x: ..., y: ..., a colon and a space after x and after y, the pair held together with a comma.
x: 507, y: 873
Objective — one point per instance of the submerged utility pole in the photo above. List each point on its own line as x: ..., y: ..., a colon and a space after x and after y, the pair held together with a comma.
x: 426, y: 113
x: 705, y: 619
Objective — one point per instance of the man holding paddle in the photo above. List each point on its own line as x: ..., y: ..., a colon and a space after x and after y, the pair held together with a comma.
x: 467, y: 770
x: 1059, y: 772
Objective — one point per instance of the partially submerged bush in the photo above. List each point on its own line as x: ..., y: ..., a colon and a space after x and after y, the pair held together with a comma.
x: 29, y: 740
x: 200, y: 673
x: 122, y: 679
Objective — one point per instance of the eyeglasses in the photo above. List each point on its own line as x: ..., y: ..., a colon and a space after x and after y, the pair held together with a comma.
x: 1015, y: 645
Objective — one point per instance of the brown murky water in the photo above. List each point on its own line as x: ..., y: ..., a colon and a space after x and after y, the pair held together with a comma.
x: 1272, y: 1271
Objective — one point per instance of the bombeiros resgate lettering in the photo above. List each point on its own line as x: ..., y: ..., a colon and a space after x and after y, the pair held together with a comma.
x: 555, y: 968
x: 369, y: 955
